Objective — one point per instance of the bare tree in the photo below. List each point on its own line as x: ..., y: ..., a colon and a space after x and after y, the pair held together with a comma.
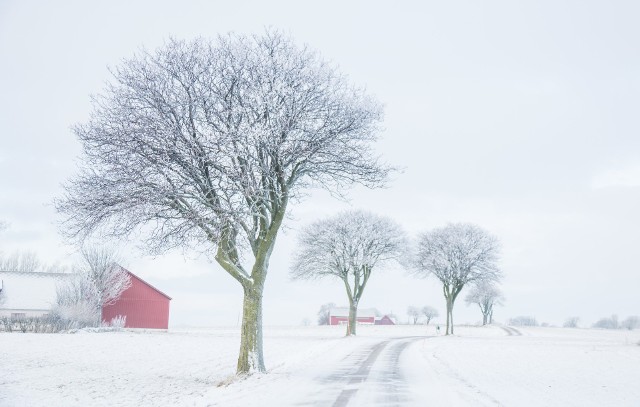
x: 348, y: 246
x: 632, y: 322
x: 486, y: 295
x: 607, y: 323
x: 325, y: 313
x: 571, y: 322
x: 24, y: 261
x: 98, y: 281
x: 457, y: 254
x: 414, y: 314
x: 100, y: 267
x: 203, y: 144
x: 76, y: 302
x: 429, y: 313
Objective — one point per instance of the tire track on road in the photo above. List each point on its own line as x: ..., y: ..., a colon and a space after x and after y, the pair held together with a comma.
x: 511, y: 331
x: 359, y: 376
x: 386, y: 387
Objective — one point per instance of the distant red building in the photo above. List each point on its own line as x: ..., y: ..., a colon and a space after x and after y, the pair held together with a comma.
x: 340, y: 316
x: 385, y: 320
x: 144, y: 306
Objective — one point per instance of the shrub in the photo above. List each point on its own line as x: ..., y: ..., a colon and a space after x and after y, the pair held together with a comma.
x: 523, y: 321
x: 632, y: 322
x: 571, y: 322
x: 607, y: 323
x: 118, y: 322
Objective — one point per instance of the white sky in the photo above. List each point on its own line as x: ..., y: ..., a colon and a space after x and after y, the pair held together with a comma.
x: 519, y: 116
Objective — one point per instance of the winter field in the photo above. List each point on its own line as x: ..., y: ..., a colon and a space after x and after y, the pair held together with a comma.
x: 317, y: 366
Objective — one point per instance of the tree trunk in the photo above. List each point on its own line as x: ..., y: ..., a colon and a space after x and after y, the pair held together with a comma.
x: 484, y: 319
x: 353, y: 316
x: 251, y: 357
x: 449, y: 316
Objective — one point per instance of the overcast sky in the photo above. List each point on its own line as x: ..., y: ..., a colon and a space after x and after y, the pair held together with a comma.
x: 522, y: 117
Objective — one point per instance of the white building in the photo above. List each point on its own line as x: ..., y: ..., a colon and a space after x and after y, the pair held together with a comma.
x: 28, y: 294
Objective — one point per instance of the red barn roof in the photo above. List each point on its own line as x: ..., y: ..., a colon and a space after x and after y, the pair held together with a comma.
x: 144, y: 282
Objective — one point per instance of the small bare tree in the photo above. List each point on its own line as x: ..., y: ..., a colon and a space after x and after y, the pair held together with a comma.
x: 348, y: 246
x: 414, y: 314
x: 630, y: 323
x: 100, y: 267
x: 98, y: 281
x: 203, y: 145
x: 76, y: 302
x: 429, y: 313
x: 457, y: 255
x: 325, y: 313
x: 486, y: 295
x: 571, y: 322
x: 607, y: 323
x: 24, y: 261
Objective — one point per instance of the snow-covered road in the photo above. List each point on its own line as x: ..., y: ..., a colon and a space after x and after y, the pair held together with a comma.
x: 369, y: 377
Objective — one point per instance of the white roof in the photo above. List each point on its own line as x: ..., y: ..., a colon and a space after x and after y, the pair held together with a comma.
x: 344, y: 312
x: 29, y: 290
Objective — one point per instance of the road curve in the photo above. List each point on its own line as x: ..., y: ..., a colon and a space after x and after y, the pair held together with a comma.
x: 369, y: 377
x: 511, y: 331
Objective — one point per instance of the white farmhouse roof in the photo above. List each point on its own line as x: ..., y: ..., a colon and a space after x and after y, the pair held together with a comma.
x: 344, y: 312
x: 29, y: 290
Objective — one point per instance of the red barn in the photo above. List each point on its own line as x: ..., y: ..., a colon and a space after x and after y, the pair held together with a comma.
x: 340, y: 316
x: 144, y: 306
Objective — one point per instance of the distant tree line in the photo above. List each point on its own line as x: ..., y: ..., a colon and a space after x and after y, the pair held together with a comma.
x: 611, y: 322
x: 631, y: 322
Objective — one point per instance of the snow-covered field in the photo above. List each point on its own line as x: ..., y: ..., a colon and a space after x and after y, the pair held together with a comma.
x: 396, y: 365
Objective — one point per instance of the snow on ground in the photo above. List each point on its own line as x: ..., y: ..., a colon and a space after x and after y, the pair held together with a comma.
x: 318, y: 366
x: 542, y: 367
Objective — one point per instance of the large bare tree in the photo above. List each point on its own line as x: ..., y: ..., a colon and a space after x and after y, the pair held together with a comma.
x: 457, y: 254
x: 486, y: 295
x: 348, y: 246
x: 204, y: 144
